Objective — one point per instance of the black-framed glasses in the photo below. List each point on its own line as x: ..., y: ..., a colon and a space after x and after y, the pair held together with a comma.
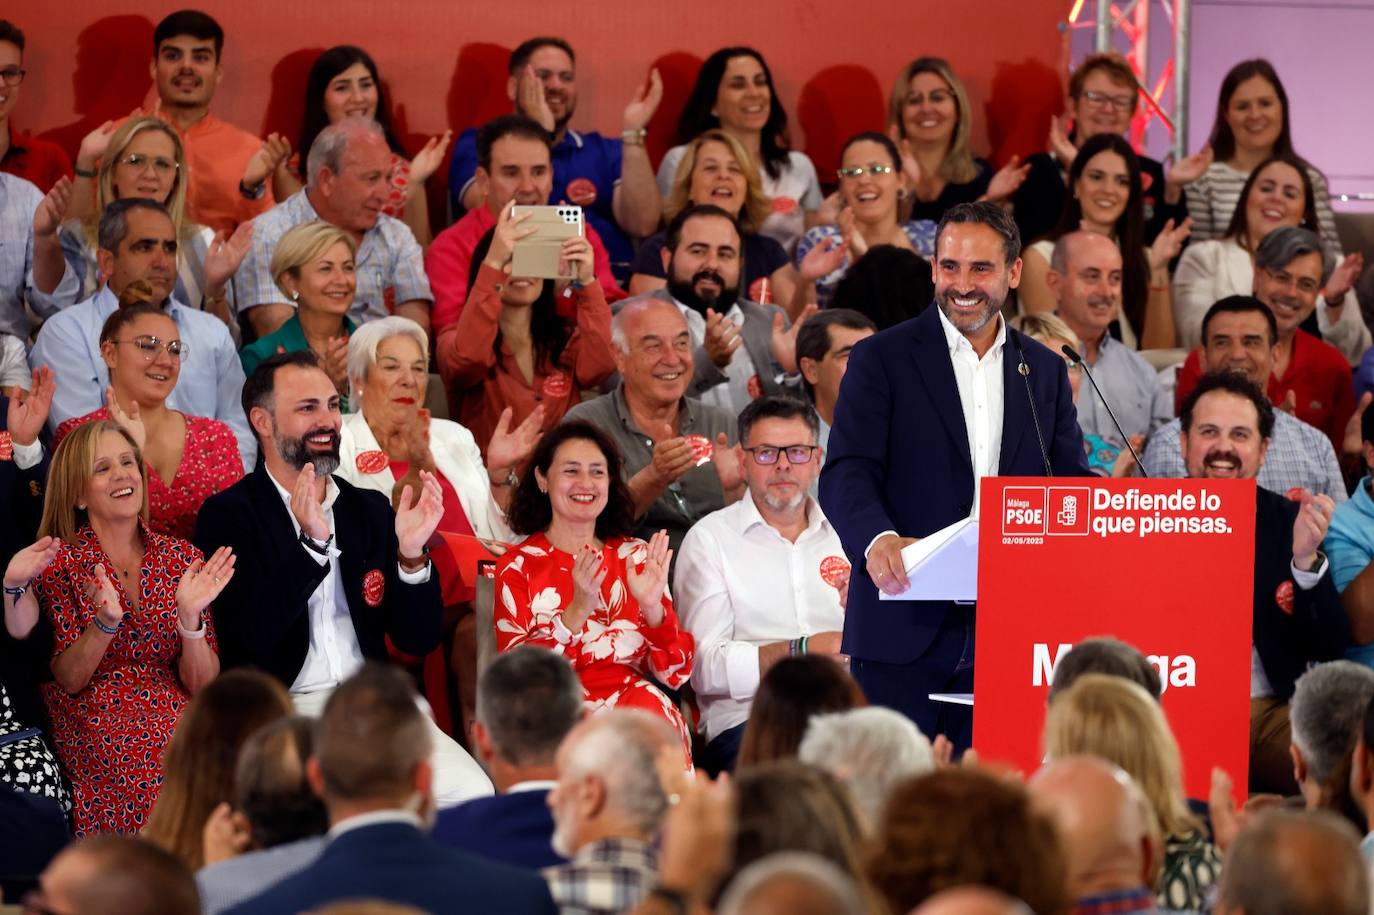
x: 768, y: 454
x: 858, y: 171
x: 150, y: 346
x: 1102, y: 99
x: 12, y: 76
x: 160, y: 166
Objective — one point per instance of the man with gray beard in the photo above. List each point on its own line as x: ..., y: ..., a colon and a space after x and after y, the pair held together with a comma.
x: 328, y: 573
x: 763, y: 578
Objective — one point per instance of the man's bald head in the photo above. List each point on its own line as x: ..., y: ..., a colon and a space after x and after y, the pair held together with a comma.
x: 1295, y: 863
x: 792, y: 883
x: 971, y: 900
x: 1085, y: 278
x: 1104, y: 821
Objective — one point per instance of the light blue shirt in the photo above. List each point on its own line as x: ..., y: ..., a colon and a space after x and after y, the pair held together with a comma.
x: 210, y: 383
x: 19, y: 200
x: 1349, y: 547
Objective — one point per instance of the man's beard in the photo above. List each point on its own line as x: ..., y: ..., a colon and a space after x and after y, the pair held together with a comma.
x: 296, y: 454
x: 686, y: 293
x: 968, y: 324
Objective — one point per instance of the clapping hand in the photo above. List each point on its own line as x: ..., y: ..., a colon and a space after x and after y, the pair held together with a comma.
x: 784, y: 339
x: 1314, y: 517
x: 224, y: 255
x: 275, y: 150
x: 1061, y: 147
x: 1168, y: 243
x: 673, y: 456
x: 823, y: 259
x: 1353, y: 441
x: 589, y: 573
x: 28, y: 412
x: 1007, y: 180
x: 52, y: 209
x: 305, y: 505
x: 30, y: 562
x: 509, y: 448
x: 429, y: 158
x: 131, y: 422
x: 649, y: 582
x: 532, y: 101
x: 417, y: 520
x: 201, y: 583
x: 644, y: 103
x: 1344, y: 276
x: 854, y: 240
x: 334, y: 361
x: 722, y: 338
x: 101, y: 592
x: 1190, y: 168
x: 726, y: 464
x: 95, y: 144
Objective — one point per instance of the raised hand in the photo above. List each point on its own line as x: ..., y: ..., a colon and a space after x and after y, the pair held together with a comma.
x: 726, y: 464
x: 95, y: 144
x: 1353, y: 440
x: 201, y: 583
x: 649, y: 582
x: 1168, y: 243
x: 784, y: 339
x: 101, y: 592
x: 1314, y: 517
x: 508, y: 232
x: 673, y: 456
x: 589, y: 573
x: 131, y: 422
x: 854, y: 240
x: 415, y: 522
x: 1344, y: 276
x: 334, y: 361
x: 1190, y: 168
x: 645, y: 102
x: 305, y: 505
x: 227, y: 834
x: 52, y: 209
x: 508, y: 448
x: 911, y: 168
x: 533, y: 104
x: 722, y: 338
x: 29, y: 563
x: 429, y: 158
x: 1008, y: 178
x: 1061, y: 147
x: 822, y: 260
x: 275, y: 150
x: 224, y: 254
x: 28, y: 412
x: 1290, y: 403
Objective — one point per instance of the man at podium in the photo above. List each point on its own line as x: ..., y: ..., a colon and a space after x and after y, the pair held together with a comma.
x: 926, y: 409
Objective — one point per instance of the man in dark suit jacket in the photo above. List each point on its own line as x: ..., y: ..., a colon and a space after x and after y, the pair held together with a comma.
x: 371, y: 766
x: 1298, y: 616
x: 926, y: 409
x: 528, y: 701
x: 304, y: 540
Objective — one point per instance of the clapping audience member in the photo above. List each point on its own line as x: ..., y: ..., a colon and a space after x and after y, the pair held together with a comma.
x: 359, y: 573
x: 343, y: 82
x: 371, y: 765
x: 1106, y: 200
x: 188, y: 458
x: 888, y: 285
x: 1105, y: 655
x: 138, y: 242
x: 607, y: 807
x: 1326, y: 715
x: 824, y: 342
x: 734, y: 92
x: 1349, y: 545
x: 514, y: 347
x: 762, y: 579
x: 581, y: 585
x: 274, y: 826
x: 612, y: 180
x: 40, y: 162
x: 1295, y: 863
x: 198, y: 765
x: 1116, y: 720
x: 115, y: 875
x: 145, y: 158
x: 529, y: 700
x: 33, y: 273
x: 795, y: 883
x: 677, y: 459
x: 129, y: 614
x: 870, y: 751
x: 347, y: 183
x: 871, y: 194
x: 1003, y: 843
x: 717, y: 170
x: 793, y: 691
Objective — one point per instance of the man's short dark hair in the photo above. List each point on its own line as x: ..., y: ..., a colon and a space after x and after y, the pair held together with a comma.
x: 132, y: 876
x: 259, y: 387
x: 1240, y: 305
x: 986, y: 213
x: 777, y: 406
x: 1105, y: 655
x: 1231, y: 383
x: 509, y: 125
x: 198, y: 25
x: 114, y: 221
x: 1286, y: 244
x: 12, y: 33
x: 525, y: 50
x: 528, y: 700
x: 672, y: 237
x: 371, y: 736
x: 813, y: 337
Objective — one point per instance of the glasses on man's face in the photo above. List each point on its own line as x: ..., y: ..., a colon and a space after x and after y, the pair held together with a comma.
x: 150, y: 346
x: 1102, y: 100
x: 12, y: 76
x: 768, y: 454
x: 160, y: 166
x: 858, y: 171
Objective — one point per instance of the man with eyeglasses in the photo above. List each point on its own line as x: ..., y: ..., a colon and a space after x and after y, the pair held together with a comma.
x: 139, y: 244
x: 34, y: 160
x: 762, y: 579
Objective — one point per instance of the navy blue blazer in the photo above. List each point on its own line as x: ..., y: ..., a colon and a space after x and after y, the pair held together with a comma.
x: 898, y: 460
x: 262, y: 618
x: 516, y: 829
x: 397, y: 863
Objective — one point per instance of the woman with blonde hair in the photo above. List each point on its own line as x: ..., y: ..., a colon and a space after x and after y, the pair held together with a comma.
x: 717, y: 169
x: 145, y: 158
x: 930, y: 119
x: 1117, y: 720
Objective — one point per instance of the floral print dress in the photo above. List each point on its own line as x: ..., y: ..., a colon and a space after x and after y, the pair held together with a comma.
x: 615, y: 650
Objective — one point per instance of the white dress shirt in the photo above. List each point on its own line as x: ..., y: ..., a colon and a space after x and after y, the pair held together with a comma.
x: 740, y: 584
x: 980, y: 394
x: 734, y: 394
x: 334, y: 654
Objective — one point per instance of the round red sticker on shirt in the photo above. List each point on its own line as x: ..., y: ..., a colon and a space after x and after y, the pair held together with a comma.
x: 701, y: 447
x: 784, y: 205
x: 761, y: 291
x: 372, y: 461
x: 755, y: 387
x: 6, y: 447
x: 1146, y: 179
x: 582, y: 192
x: 1295, y: 494
x: 557, y: 384
x: 1283, y: 596
x: 834, y: 569
x: 374, y: 586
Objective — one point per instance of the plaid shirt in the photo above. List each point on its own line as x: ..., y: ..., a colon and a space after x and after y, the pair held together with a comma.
x: 19, y: 200
x: 604, y: 878
x: 1299, y: 455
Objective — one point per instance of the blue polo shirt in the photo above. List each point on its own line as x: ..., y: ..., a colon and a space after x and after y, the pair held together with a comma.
x: 1349, y: 547
x: 584, y: 165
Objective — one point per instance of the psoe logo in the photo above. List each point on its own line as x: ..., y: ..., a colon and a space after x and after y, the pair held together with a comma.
x: 1067, y: 510
x: 1023, y: 510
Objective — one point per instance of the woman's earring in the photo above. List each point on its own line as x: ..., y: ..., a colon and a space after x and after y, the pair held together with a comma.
x: 296, y: 296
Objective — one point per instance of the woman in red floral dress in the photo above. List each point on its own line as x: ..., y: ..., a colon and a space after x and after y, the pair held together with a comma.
x: 129, y: 611
x: 580, y: 586
x: 188, y: 458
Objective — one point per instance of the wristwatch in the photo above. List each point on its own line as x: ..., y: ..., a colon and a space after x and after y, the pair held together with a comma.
x: 317, y: 546
x: 252, y: 193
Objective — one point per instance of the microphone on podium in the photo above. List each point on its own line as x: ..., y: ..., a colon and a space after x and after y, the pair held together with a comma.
x: 1024, y: 370
x: 1082, y: 363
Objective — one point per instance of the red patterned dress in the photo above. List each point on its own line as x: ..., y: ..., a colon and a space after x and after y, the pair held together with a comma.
x: 110, y: 736
x: 615, y: 649
x: 210, y: 463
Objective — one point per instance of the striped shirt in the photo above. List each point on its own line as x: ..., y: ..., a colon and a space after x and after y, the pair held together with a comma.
x: 1212, y: 202
x: 604, y: 877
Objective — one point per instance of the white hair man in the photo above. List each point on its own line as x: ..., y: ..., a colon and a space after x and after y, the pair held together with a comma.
x: 870, y: 749
x: 792, y: 883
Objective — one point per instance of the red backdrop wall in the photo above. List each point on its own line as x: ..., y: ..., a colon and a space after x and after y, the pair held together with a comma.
x: 444, y: 62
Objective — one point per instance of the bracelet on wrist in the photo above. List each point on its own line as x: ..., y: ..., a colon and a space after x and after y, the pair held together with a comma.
x: 85, y: 172
x: 415, y: 564
x: 197, y: 633
x: 108, y: 630
x: 18, y: 592
x: 634, y: 136
x: 512, y: 479
x: 317, y: 546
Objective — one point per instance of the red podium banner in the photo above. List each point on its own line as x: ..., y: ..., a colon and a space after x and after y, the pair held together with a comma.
x: 1166, y: 565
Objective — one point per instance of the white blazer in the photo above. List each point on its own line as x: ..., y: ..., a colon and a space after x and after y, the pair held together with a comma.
x: 456, y: 456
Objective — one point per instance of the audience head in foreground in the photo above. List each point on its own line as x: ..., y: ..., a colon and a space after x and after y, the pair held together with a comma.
x: 115, y: 875
x: 870, y: 751
x: 792, y: 883
x: 1326, y: 715
x: 790, y: 693
x: 1295, y: 863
